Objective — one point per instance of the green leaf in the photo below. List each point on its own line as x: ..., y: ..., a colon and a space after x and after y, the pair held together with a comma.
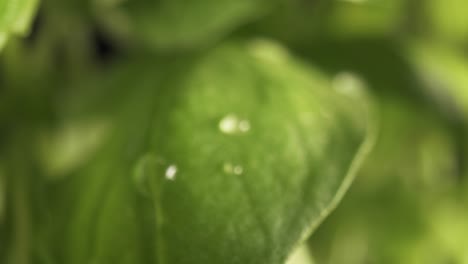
x: 413, y: 164
x: 15, y: 17
x: 303, y: 23
x: 443, y: 71
x: 413, y: 152
x: 358, y: 18
x: 448, y: 19
x: 235, y: 157
x: 170, y: 24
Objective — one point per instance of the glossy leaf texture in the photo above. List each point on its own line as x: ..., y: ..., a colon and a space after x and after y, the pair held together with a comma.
x: 178, y: 24
x: 15, y: 17
x: 233, y: 157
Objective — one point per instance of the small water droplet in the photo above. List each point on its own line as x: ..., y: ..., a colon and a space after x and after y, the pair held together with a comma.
x: 228, y: 124
x: 171, y: 172
x: 151, y: 169
x: 232, y: 124
x: 230, y: 168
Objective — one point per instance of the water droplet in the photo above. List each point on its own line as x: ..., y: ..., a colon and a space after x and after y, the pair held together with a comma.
x: 228, y: 124
x: 230, y: 168
x: 347, y: 83
x: 171, y: 172
x: 232, y: 124
x: 149, y: 170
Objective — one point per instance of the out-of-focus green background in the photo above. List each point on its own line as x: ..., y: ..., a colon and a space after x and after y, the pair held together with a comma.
x: 408, y: 203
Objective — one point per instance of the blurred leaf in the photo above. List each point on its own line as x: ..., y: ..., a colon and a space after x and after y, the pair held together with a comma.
x: 2, y: 193
x: 447, y: 234
x: 178, y: 24
x: 366, y: 17
x: 443, y: 70
x: 388, y: 210
x: 3, y: 39
x: 233, y: 158
x: 70, y: 146
x: 302, y: 22
x: 3, y: 203
x: 15, y: 17
x: 448, y: 19
x: 301, y: 256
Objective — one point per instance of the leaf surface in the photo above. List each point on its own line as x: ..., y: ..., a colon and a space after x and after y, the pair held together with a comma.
x: 235, y: 157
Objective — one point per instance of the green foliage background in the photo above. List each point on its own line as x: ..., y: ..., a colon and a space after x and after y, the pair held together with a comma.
x: 171, y: 131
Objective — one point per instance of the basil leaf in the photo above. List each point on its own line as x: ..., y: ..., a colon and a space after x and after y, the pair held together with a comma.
x: 15, y: 17
x: 234, y: 157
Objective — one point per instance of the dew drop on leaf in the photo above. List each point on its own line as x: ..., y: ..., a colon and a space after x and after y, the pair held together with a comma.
x: 171, y: 172
x: 149, y: 170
